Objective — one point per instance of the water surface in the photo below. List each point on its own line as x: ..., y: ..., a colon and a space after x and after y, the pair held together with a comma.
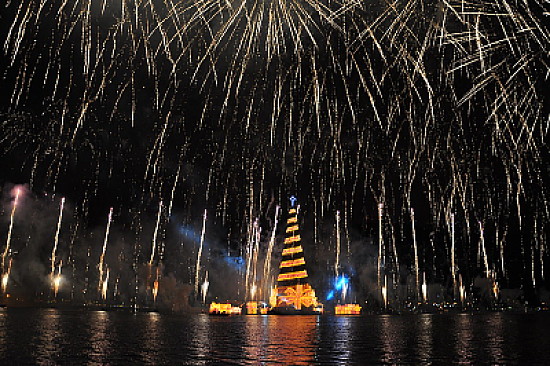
x: 50, y: 337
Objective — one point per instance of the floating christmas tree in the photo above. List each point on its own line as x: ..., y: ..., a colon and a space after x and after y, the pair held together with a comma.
x: 293, y: 293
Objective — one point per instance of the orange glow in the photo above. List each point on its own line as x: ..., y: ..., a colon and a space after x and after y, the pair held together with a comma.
x: 292, y: 250
x: 292, y: 220
x: 252, y: 308
x: 292, y: 239
x: 293, y: 262
x: 229, y: 309
x: 292, y: 211
x: 292, y: 275
x: 297, y: 296
x: 347, y: 309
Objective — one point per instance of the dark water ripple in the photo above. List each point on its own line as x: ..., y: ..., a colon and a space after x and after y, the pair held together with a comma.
x: 61, y: 337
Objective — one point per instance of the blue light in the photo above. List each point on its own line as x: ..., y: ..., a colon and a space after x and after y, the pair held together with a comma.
x: 236, y: 263
x: 341, y: 282
x: 191, y: 234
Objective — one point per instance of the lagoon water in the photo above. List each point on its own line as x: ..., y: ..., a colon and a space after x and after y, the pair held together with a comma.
x: 63, y: 337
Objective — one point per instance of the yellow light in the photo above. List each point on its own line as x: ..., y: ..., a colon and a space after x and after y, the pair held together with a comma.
x: 292, y: 250
x: 291, y: 228
x: 292, y: 211
x: 292, y: 239
x: 216, y: 308
x: 347, y: 309
x: 292, y: 220
x: 292, y: 275
x: 293, y: 262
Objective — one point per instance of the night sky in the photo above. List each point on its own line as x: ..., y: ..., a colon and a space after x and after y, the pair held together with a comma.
x: 232, y: 107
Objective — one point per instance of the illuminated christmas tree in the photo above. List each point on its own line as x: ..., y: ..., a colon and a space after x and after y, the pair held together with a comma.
x: 293, y: 292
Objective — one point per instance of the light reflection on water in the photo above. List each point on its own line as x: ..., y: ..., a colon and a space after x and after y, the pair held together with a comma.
x: 49, y: 336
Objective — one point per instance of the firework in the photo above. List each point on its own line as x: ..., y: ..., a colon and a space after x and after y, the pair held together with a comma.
x: 199, y: 253
x: 102, y: 285
x: 155, y: 233
x: 8, y: 241
x: 453, y: 261
x: 6, y: 277
x: 105, y: 284
x: 53, y: 278
x: 348, y: 101
x: 424, y: 288
x: 337, y: 263
x: 267, y: 266
x: 204, y: 288
x: 384, y: 290
x: 416, y: 266
x: 380, y: 244
x: 57, y: 279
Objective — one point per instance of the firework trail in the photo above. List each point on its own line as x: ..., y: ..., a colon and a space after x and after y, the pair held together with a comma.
x: 8, y: 241
x: 204, y: 288
x: 250, y: 252
x: 105, y: 284
x: 384, y: 290
x: 424, y: 288
x: 155, y: 289
x: 453, y: 260
x: 57, y: 279
x: 155, y: 233
x: 6, y: 277
x: 380, y: 245
x: 56, y: 242
x: 151, y: 259
x: 483, y: 251
x: 337, y: 263
x: 102, y: 285
x: 267, y: 267
x: 255, y: 250
x: 416, y: 265
x: 461, y: 290
x: 199, y: 254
